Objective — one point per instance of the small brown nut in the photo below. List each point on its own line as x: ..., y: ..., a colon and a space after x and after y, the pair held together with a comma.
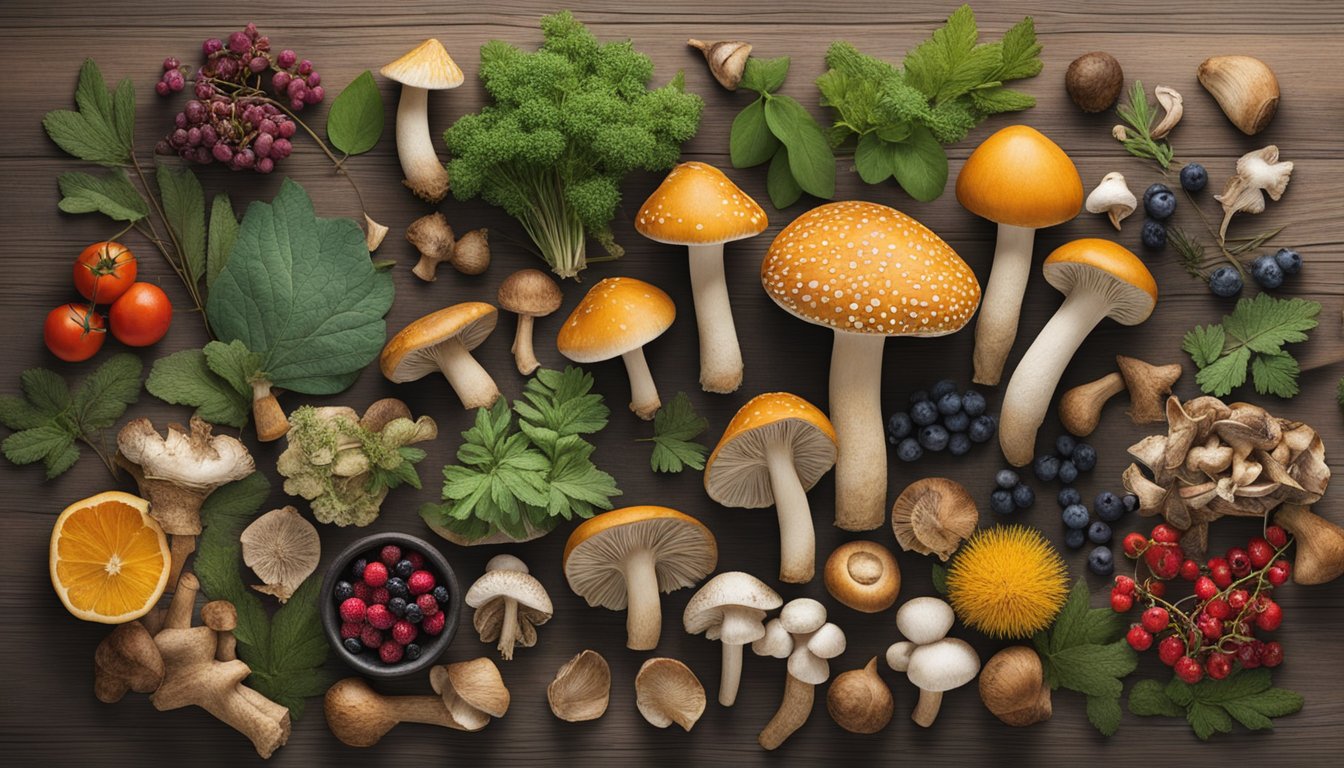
x: 1094, y: 81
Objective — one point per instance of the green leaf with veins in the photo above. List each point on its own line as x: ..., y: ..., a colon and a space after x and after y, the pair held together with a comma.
x: 920, y: 165
x: 223, y: 233
x: 355, y: 121
x: 675, y: 427
x: 1254, y: 333
x: 110, y: 194
x: 750, y: 142
x: 185, y: 378
x: 1083, y: 651
x: 102, y: 130
x: 765, y: 75
x: 184, y: 208
x: 779, y: 182
x: 1212, y: 706
x: 810, y: 159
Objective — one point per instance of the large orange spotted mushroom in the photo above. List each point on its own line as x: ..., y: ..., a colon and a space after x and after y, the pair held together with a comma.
x: 867, y: 272
x: 699, y: 207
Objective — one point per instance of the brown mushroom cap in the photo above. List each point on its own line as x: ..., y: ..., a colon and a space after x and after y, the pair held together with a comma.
x: 581, y: 689
x: 530, y: 292
x: 863, y: 575
x: 683, y: 547
x: 667, y: 691
x: 126, y: 660
x: 736, y: 473
x: 933, y: 516
x: 617, y: 315
x: 698, y: 205
x: 473, y: 691
x: 427, y: 66
x: 410, y: 354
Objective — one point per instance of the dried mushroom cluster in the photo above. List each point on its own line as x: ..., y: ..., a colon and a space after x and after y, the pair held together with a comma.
x: 1219, y: 459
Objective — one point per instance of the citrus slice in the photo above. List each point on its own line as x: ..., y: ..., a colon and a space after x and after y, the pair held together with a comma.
x: 109, y: 559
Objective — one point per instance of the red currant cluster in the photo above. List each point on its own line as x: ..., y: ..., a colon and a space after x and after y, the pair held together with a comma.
x: 1215, y: 626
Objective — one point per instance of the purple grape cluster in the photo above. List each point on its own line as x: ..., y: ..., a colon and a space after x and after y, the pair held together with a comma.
x: 242, y: 133
x: 247, y: 54
x: 174, y: 78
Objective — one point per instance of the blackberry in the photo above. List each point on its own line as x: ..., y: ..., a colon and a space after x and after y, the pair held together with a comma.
x: 343, y: 590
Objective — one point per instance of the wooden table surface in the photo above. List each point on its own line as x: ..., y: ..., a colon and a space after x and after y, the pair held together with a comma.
x: 48, y: 712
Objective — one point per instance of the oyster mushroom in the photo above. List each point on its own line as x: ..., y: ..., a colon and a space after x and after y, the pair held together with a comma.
x: 1259, y: 173
x: 581, y: 689
x: 472, y: 691
x: 933, y: 516
x: 667, y: 692
x: 283, y: 549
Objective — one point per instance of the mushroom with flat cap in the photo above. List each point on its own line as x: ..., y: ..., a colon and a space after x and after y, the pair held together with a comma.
x: 867, y: 272
x: 528, y: 293
x: 442, y: 341
x: 801, y: 634
x: 510, y: 604
x: 1099, y: 279
x: 776, y: 448
x: 731, y: 608
x: 616, y: 318
x: 699, y: 207
x: 1022, y: 181
x: 426, y: 67
x: 667, y: 692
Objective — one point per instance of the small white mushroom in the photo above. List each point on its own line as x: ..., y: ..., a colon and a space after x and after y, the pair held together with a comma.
x: 802, y: 634
x: 1113, y: 198
x: 932, y: 661
x: 1172, y: 106
x: 1258, y: 173
x: 510, y: 604
x: 731, y: 608
x: 283, y: 549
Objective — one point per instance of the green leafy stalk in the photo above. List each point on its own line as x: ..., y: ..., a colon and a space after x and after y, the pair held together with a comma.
x: 1253, y: 335
x: 1084, y: 651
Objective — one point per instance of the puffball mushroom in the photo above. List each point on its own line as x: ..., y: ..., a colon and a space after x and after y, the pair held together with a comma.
x: 933, y: 516
x: 510, y: 604
x: 773, y: 451
x: 616, y: 318
x: 863, y: 575
x: 1113, y: 198
x: 581, y: 689
x: 623, y: 558
x: 442, y: 341
x: 934, y: 662
x: 803, y: 636
x: 667, y: 692
x: 426, y: 67
x: 1023, y: 182
x: 867, y: 272
x: 528, y: 293
x: 731, y: 608
x: 859, y: 701
x: 1099, y: 279
x: 283, y: 549
x: 699, y: 207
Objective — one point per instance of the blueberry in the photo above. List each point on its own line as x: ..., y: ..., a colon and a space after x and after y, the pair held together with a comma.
x: 1075, y: 516
x: 1001, y: 502
x: 1225, y: 282
x: 958, y: 444
x: 404, y: 568
x: 441, y: 595
x: 909, y: 450
x: 942, y: 387
x: 343, y: 590
x: 412, y: 652
x: 397, y: 606
x: 918, y: 396
x: 414, y: 614
x: 1267, y: 272
x: 1084, y: 457
x: 1068, y: 472
x: 949, y: 403
x: 1046, y: 467
x: 352, y: 645
x: 1064, y: 445
x: 924, y: 413
x: 957, y: 422
x: 1099, y: 532
x: 1108, y: 506
x: 1153, y: 190
x: 1130, y: 502
x: 1194, y: 177
x: 1154, y: 235
x: 973, y: 403
x: 1289, y: 261
x: 1100, y: 561
x: 933, y: 437
x: 357, y: 568
x: 1160, y: 205
x: 1023, y: 496
x: 899, y: 427
x: 1074, y: 538
x: 396, y: 587
x: 982, y: 428
x: 1006, y: 479
x: 1068, y: 495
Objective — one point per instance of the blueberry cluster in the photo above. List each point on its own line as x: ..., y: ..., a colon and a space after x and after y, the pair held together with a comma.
x: 1080, y: 528
x: 1159, y: 203
x: 1011, y: 494
x: 1071, y: 457
x: 1268, y: 271
x: 941, y: 418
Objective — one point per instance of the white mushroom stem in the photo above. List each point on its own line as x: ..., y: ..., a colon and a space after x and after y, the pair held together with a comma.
x: 644, y: 613
x: 996, y: 328
x: 792, y: 713
x: 469, y: 380
x: 720, y: 355
x: 856, y: 412
x: 643, y: 392
x: 523, y: 354
x: 797, y: 539
x: 1036, y: 376
x: 508, y: 633
x: 425, y: 175
x: 731, y: 674
x: 926, y: 711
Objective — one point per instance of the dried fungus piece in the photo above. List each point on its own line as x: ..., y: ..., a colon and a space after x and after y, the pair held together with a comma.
x: 667, y: 692
x: 283, y: 549
x: 933, y: 516
x: 581, y: 689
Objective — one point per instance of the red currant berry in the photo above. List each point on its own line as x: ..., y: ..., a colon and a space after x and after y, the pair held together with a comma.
x: 1170, y: 649
x: 1271, y: 655
x: 1134, y: 544
x: 1208, y: 626
x: 1276, y: 536
x: 1278, y: 573
x: 1165, y: 534
x: 1239, y: 561
x: 1124, y: 585
x: 1249, y: 654
x: 1155, y: 619
x: 1121, y: 603
x: 1163, y: 560
x: 1260, y: 552
x: 1205, y: 589
x: 1157, y: 588
x: 1218, y: 608
x: 1219, y: 665
x: 1270, y: 618
x: 1189, y: 570
x: 1189, y: 670
x: 1220, y: 572
x: 1139, y: 638
x: 1238, y: 599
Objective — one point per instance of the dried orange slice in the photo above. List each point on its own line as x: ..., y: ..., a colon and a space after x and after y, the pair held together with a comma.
x: 109, y: 559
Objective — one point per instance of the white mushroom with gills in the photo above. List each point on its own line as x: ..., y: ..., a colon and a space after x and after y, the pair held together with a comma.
x: 510, y: 604
x: 867, y: 272
x: 731, y: 608
x: 803, y: 636
x: 773, y: 451
x: 934, y: 662
x: 616, y: 318
x: 528, y: 293
x: 442, y: 341
x: 425, y: 68
x: 622, y: 559
x: 1022, y: 181
x: 699, y: 207
x: 1099, y: 279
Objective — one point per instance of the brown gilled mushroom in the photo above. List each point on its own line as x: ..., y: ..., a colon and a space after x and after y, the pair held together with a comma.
x: 667, y: 692
x: 581, y: 689
x: 442, y: 341
x: 933, y: 516
x: 510, y: 604
x: 528, y: 293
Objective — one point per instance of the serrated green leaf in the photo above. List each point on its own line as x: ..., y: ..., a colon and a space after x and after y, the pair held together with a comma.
x: 1264, y: 324
x: 102, y: 130
x: 1204, y: 343
x: 185, y: 378
x: 223, y: 233
x: 764, y: 75
x: 675, y: 427
x: 46, y: 390
x: 1224, y: 374
x: 355, y: 121
x: 1020, y: 53
x: 779, y: 182
x: 234, y: 363
x: 1207, y: 720
x: 1104, y: 713
x: 103, y: 396
x: 184, y: 208
x: 998, y: 99
x: 920, y: 165
x: 750, y: 142
x: 809, y: 157
x: 36, y: 444
x: 1147, y: 699
x: 1081, y: 653
x: 932, y: 63
x: 17, y: 413
x: 110, y: 194
x: 1211, y: 706
x: 1275, y: 374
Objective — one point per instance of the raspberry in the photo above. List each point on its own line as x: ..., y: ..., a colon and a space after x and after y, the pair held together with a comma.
x: 389, y: 555
x: 1139, y: 638
x: 1208, y: 626
x: 1124, y: 585
x: 1278, y: 573
x: 390, y: 652
x: 1205, y: 589
x: 1189, y: 670
x: 1271, y: 655
x: 1219, y: 665
x: 364, y: 592
x: 1121, y: 603
x: 1220, y: 572
x: 433, y: 625
x: 375, y: 574
x: 1237, y: 599
x: 380, y: 596
x: 351, y: 629
x: 370, y: 637
x: 1249, y: 654
x: 404, y: 632
x: 1238, y: 561
x: 1189, y: 570
x: 1170, y: 649
x: 1270, y: 617
x: 1260, y: 551
x: 417, y: 559
x: 428, y: 605
x: 353, y: 609
x: 380, y: 617
x: 1276, y: 536
x: 1134, y: 544
x: 1218, y: 608
x: 1164, y: 561
x: 1155, y: 619
x: 1166, y: 534
x: 420, y: 582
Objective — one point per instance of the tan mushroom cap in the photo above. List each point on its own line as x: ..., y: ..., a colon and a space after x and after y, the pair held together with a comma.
x: 1021, y: 178
x: 933, y: 516
x: 409, y: 355
x: 530, y: 292
x: 617, y: 315
x: 863, y: 575
x: 731, y: 594
x: 866, y: 268
x: 427, y: 66
x: 473, y: 691
x: 1130, y: 287
x: 685, y: 550
x: 667, y: 691
x: 283, y: 549
x: 736, y: 474
x: 698, y: 205
x: 488, y: 594
x: 581, y: 688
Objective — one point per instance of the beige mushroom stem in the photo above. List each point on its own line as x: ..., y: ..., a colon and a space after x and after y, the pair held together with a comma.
x: 996, y: 329
x: 856, y: 412
x: 797, y: 539
x: 644, y: 399
x: 926, y: 710
x: 523, y: 353
x: 508, y: 633
x: 425, y: 175
x: 360, y: 717
x: 267, y: 415
x: 469, y: 380
x: 644, y: 613
x: 730, y: 674
x: 1080, y: 407
x: 792, y: 713
x: 720, y: 355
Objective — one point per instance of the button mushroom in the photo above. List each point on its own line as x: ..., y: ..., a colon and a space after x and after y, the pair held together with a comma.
x: 933, y: 516
x: 863, y: 575
x: 616, y: 318
x: 581, y: 689
x: 529, y: 293
x: 1113, y: 198
x: 425, y: 68
x: 624, y: 557
x: 283, y: 549
x: 510, y: 604
x: 442, y: 341
x: 867, y: 272
x: 773, y: 451
x: 699, y: 207
x: 731, y: 608
x: 1023, y: 182
x: 667, y: 692
x: 934, y: 662
x: 1099, y: 279
x: 803, y: 636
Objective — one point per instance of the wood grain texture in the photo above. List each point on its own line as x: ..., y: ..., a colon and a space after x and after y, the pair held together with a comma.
x: 47, y: 710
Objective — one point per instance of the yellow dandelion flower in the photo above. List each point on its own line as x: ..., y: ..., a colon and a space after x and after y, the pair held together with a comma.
x: 1007, y: 582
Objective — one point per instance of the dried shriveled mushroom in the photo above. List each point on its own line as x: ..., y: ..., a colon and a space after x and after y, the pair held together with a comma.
x: 283, y: 549
x: 510, y: 604
x: 727, y: 59
x: 1148, y: 385
x: 667, y: 692
x: 1246, y: 89
x: 1259, y: 173
x: 1013, y: 687
x: 933, y: 516
x: 581, y: 689
x: 1172, y: 108
x: 731, y: 608
x: 472, y: 691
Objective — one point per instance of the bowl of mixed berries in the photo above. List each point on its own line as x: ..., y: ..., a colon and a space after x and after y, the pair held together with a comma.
x: 390, y: 604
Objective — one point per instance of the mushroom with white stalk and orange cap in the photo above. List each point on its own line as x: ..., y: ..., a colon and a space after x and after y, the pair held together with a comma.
x: 442, y: 341
x: 803, y: 636
x: 616, y: 318
x: 776, y: 448
x: 427, y: 67
x: 699, y: 207
x: 623, y: 558
x: 867, y: 272
x: 1022, y: 181
x: 934, y: 662
x: 1099, y: 279
x: 510, y: 604
x: 731, y: 608
x: 528, y: 293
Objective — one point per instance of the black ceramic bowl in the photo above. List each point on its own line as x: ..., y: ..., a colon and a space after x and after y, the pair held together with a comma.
x: 368, y: 662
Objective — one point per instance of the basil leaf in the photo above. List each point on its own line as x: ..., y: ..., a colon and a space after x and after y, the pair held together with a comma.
x: 355, y: 122
x: 111, y: 195
x: 873, y: 159
x: 184, y: 207
x: 810, y: 158
x: 779, y: 182
x: 750, y: 142
x: 920, y: 165
x: 765, y: 75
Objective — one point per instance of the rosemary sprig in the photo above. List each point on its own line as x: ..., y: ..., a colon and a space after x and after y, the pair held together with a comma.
x: 1190, y: 251
x: 1138, y: 115
x: 1247, y: 244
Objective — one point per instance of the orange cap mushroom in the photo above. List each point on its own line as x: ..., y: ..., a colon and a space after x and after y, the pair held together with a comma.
x: 442, y: 341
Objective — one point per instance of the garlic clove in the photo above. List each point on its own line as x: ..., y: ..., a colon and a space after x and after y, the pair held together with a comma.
x: 727, y: 59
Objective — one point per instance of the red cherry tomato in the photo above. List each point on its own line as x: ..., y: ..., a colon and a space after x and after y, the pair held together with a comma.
x: 141, y: 316
x: 74, y: 332
x: 104, y: 271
